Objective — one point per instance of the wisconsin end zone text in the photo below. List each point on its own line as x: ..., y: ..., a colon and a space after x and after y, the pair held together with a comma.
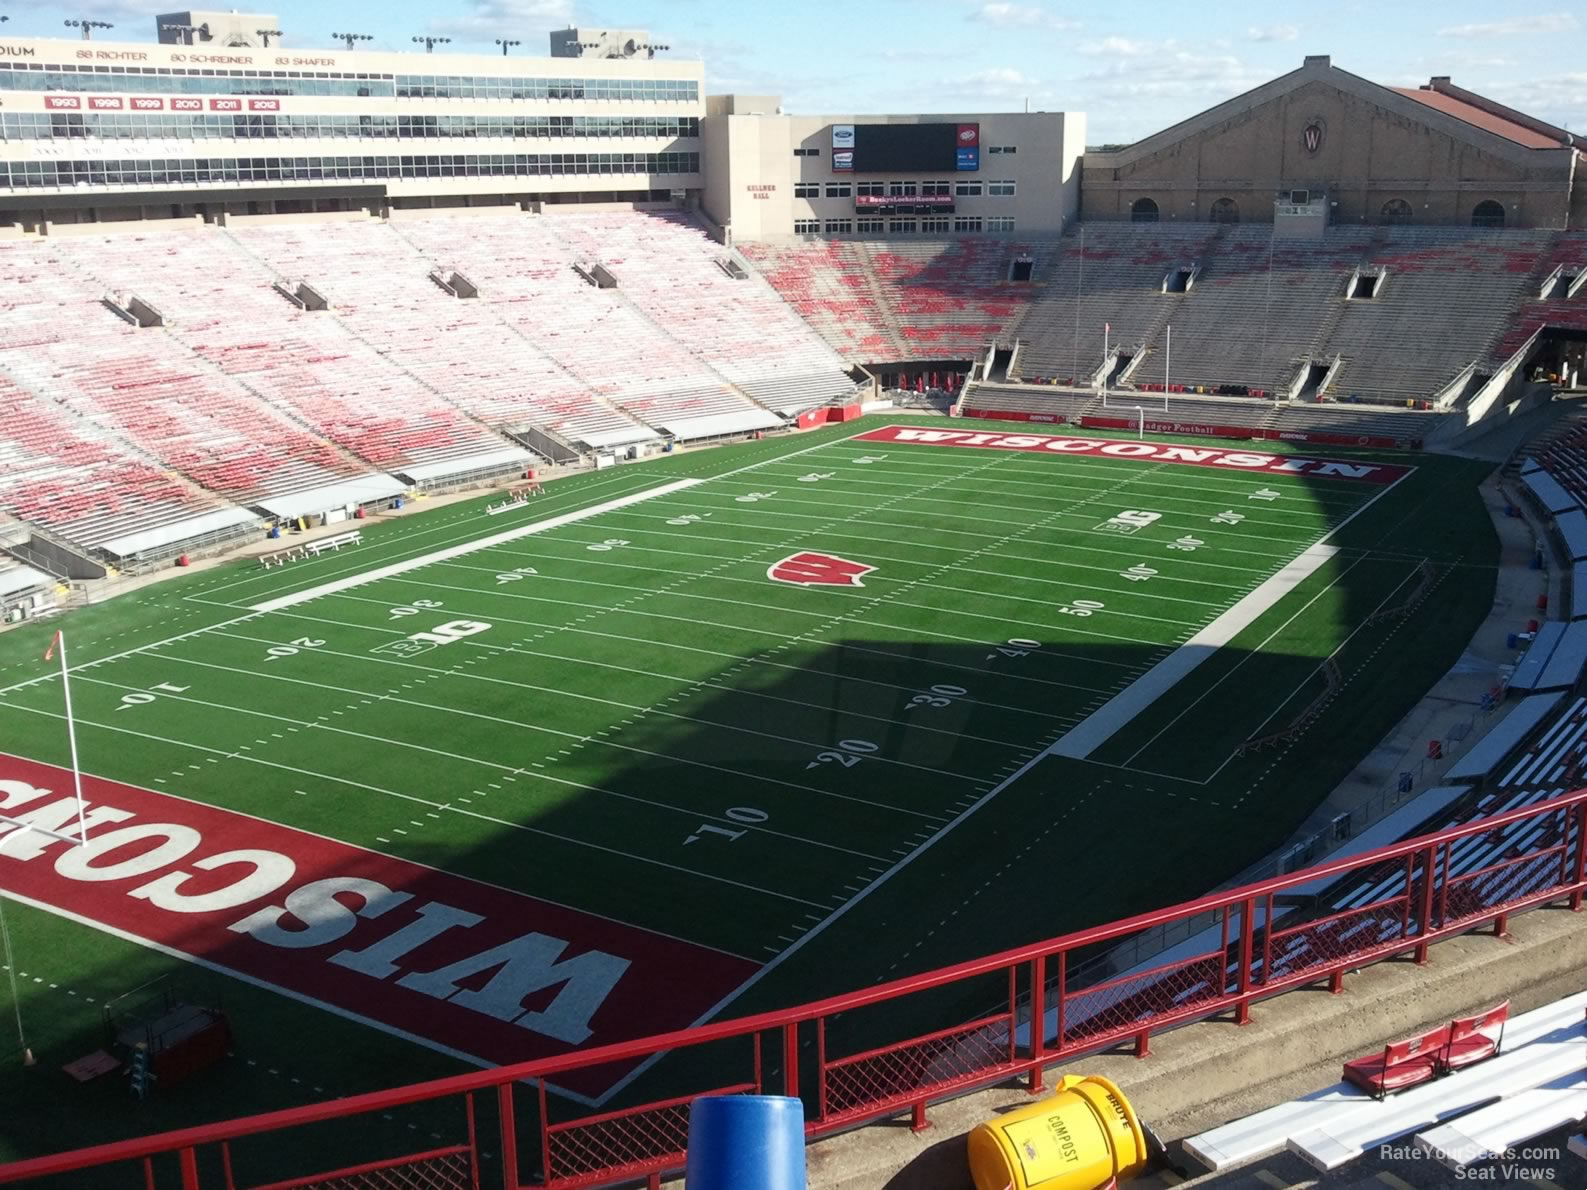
x: 1150, y: 452
x: 472, y: 969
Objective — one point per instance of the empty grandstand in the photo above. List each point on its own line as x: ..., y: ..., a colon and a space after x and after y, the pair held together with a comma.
x: 647, y: 749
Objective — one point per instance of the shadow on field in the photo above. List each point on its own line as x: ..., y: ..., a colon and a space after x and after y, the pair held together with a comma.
x: 1068, y: 845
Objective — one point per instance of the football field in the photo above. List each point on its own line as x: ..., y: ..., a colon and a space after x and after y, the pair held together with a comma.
x: 674, y: 740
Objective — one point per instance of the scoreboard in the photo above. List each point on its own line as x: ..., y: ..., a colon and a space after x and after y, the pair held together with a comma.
x: 906, y: 148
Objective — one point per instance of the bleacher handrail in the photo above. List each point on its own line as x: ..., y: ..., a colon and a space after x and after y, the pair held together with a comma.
x: 1423, y: 905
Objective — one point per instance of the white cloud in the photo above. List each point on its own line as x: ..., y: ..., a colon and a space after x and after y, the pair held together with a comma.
x: 999, y: 82
x: 1272, y: 33
x: 1000, y: 14
x: 1122, y: 47
x: 1543, y: 22
x: 527, y: 20
x: 1560, y: 99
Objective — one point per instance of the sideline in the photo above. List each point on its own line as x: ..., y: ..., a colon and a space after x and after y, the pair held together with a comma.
x: 1102, y: 724
x: 469, y: 547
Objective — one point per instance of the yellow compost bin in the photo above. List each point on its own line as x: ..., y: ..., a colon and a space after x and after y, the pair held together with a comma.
x: 1078, y: 1139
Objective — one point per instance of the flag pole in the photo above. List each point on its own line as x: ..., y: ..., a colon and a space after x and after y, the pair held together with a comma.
x: 71, y: 733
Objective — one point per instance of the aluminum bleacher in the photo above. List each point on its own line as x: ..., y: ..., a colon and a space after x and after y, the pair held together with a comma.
x: 826, y: 284
x: 305, y: 368
x: 1569, y: 254
x: 524, y: 270
x: 1106, y: 274
x: 1255, y: 309
x: 379, y: 285
x: 87, y: 486
x: 667, y: 266
x: 1449, y: 293
x: 906, y: 299
x: 141, y: 386
x: 1332, y: 1127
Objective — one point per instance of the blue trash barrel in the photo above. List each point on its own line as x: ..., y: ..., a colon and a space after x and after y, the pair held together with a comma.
x: 1512, y: 640
x: 746, y: 1142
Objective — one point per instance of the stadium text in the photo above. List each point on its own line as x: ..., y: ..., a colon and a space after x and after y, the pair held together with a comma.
x: 473, y: 969
x: 1153, y: 452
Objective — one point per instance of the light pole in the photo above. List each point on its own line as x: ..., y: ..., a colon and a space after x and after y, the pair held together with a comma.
x: 88, y: 27
x: 504, y: 43
x: 431, y: 42
x: 186, y: 31
x: 350, y: 38
x: 267, y: 34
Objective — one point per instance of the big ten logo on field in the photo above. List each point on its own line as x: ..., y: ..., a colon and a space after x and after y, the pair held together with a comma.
x: 441, y: 634
x: 1131, y: 520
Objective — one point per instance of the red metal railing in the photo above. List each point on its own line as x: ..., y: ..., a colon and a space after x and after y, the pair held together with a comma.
x: 858, y: 1061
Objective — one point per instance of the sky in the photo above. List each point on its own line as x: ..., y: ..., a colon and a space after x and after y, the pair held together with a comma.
x: 1132, y: 67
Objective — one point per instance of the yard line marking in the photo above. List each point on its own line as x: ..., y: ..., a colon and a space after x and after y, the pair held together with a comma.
x: 869, y: 519
x: 734, y: 657
x: 517, y: 826
x: 1262, y: 726
x: 1061, y: 563
x: 1080, y: 490
x: 393, y: 569
x: 579, y: 489
x: 687, y: 683
x: 321, y: 724
x: 1122, y: 709
x: 402, y: 538
x: 55, y: 673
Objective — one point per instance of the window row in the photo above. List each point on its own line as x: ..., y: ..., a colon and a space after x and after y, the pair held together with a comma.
x: 930, y: 225
x: 908, y: 189
x: 174, y: 172
x: 307, y: 82
x: 140, y: 126
x: 413, y: 86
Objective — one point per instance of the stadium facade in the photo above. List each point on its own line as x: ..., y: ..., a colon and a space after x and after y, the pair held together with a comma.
x: 97, y: 131
x: 1356, y: 151
x: 770, y: 174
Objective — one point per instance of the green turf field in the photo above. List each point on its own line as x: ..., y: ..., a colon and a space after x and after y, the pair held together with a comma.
x: 626, y: 716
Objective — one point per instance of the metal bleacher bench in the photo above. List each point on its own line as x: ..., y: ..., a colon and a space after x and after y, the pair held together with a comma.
x: 311, y: 549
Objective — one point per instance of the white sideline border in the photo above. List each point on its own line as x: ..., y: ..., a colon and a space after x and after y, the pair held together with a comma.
x: 469, y: 547
x: 1080, y: 741
x: 1119, y: 711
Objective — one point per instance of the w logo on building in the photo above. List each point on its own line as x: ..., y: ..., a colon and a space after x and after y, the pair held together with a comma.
x: 1311, y: 137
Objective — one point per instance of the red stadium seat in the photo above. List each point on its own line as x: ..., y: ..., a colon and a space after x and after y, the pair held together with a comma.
x: 1402, y: 1064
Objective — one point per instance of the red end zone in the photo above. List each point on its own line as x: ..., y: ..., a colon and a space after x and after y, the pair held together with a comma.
x: 1151, y: 452
x: 489, y: 974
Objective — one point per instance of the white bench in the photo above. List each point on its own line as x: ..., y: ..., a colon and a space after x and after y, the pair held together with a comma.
x: 356, y: 537
x: 1253, y: 1137
x: 307, y: 549
x: 1496, y: 1129
x: 281, y: 557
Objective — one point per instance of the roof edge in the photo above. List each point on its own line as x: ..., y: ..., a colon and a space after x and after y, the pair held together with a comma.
x: 1442, y: 85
